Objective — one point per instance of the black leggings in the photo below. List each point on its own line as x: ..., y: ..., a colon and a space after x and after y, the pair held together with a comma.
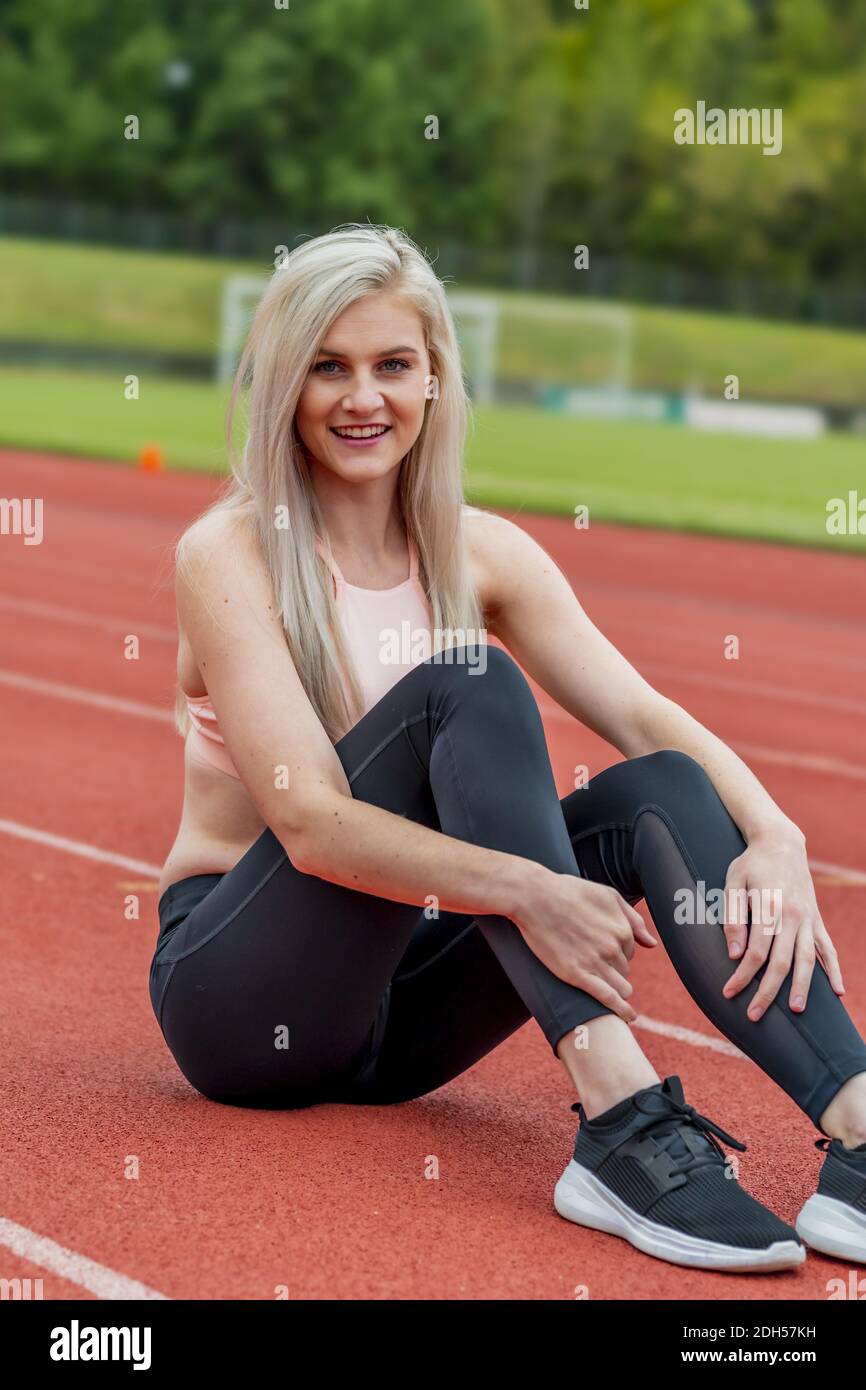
x: 276, y: 988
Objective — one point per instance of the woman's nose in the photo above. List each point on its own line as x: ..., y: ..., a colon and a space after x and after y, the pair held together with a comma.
x: 364, y: 395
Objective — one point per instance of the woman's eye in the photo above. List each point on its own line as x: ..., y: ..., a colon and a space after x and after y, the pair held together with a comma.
x: 399, y: 362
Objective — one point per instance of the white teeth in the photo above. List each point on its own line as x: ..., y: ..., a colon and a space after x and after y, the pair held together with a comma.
x: 367, y: 432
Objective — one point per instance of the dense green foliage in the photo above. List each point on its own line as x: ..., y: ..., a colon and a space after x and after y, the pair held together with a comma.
x: 555, y: 124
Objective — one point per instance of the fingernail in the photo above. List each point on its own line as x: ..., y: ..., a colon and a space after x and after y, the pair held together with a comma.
x: 798, y: 1003
x: 736, y: 948
x: 755, y: 1013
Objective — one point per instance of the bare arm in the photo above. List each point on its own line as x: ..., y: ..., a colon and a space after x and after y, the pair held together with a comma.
x: 540, y: 620
x: 584, y: 932
x: 229, y: 617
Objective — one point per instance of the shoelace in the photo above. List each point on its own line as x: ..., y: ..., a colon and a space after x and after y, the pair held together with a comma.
x: 672, y: 1142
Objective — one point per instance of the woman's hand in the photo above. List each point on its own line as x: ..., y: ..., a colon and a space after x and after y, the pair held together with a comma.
x: 585, y: 933
x: 786, y: 924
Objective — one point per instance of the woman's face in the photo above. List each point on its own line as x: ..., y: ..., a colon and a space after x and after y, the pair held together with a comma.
x: 371, y: 370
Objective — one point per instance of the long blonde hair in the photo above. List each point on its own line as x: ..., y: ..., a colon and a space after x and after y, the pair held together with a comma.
x: 317, y: 281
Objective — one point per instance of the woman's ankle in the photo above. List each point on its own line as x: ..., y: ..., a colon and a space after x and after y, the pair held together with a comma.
x: 845, y: 1116
x: 605, y: 1063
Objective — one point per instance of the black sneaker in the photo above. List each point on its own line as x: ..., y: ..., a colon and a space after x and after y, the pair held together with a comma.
x: 833, y: 1219
x: 649, y: 1170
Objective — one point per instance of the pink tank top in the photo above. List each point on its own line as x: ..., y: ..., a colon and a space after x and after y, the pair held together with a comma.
x: 387, y: 630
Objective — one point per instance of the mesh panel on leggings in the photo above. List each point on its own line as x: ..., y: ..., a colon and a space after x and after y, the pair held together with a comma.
x: 780, y: 1042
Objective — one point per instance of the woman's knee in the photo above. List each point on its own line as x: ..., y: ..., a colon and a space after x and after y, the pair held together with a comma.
x: 669, y: 772
x: 482, y: 674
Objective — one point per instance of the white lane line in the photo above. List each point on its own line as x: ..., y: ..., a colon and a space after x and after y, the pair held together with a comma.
x: 24, y: 832
x: 807, y: 761
x: 102, y: 856
x: 688, y: 1035
x: 851, y: 876
x: 78, y: 1269
x: 550, y: 710
x: 93, y: 698
x: 80, y: 618
x: 763, y: 689
x: 711, y: 640
x: 106, y: 1283
x: 673, y: 599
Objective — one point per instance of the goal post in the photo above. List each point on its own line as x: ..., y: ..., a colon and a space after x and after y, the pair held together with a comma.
x: 476, y: 319
x: 240, y: 295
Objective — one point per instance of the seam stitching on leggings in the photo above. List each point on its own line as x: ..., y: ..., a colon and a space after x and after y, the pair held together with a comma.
x: 674, y: 833
x: 410, y: 745
x: 596, y: 828
x: 446, y: 737
x: 395, y: 733
x: 162, y: 996
x: 408, y: 975
x: 173, y: 960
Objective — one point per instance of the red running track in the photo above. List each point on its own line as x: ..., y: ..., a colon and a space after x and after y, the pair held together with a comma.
x: 333, y: 1202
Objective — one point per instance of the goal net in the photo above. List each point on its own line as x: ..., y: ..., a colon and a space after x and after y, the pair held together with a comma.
x: 512, y: 345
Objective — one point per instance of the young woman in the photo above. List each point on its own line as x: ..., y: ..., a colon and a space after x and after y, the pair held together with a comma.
x: 374, y: 882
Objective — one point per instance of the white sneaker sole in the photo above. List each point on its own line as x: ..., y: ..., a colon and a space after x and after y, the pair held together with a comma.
x: 581, y: 1197
x: 833, y: 1227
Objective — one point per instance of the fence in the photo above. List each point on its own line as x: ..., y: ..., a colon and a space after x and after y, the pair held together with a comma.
x: 489, y: 266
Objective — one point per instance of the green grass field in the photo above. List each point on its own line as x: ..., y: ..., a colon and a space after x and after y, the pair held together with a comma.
x: 656, y: 475
x: 95, y: 295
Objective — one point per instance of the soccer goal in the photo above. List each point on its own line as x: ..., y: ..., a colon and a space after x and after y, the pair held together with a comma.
x: 575, y: 343
x: 476, y: 319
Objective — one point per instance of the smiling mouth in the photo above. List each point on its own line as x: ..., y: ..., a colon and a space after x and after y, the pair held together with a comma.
x: 359, y: 431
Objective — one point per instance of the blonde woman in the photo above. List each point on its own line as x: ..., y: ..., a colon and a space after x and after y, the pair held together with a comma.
x: 374, y: 882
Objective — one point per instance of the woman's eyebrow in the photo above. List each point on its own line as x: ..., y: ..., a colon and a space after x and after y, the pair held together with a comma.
x: 385, y: 352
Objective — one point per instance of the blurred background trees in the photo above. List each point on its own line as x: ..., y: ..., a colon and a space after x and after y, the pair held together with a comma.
x: 555, y: 125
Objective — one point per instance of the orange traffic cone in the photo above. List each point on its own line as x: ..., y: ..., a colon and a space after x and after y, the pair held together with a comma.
x: 151, y: 459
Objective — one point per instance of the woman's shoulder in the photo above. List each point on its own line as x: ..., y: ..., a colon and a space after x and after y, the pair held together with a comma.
x: 218, y: 547
x: 222, y: 530
x: 219, y: 561
x: 488, y: 542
